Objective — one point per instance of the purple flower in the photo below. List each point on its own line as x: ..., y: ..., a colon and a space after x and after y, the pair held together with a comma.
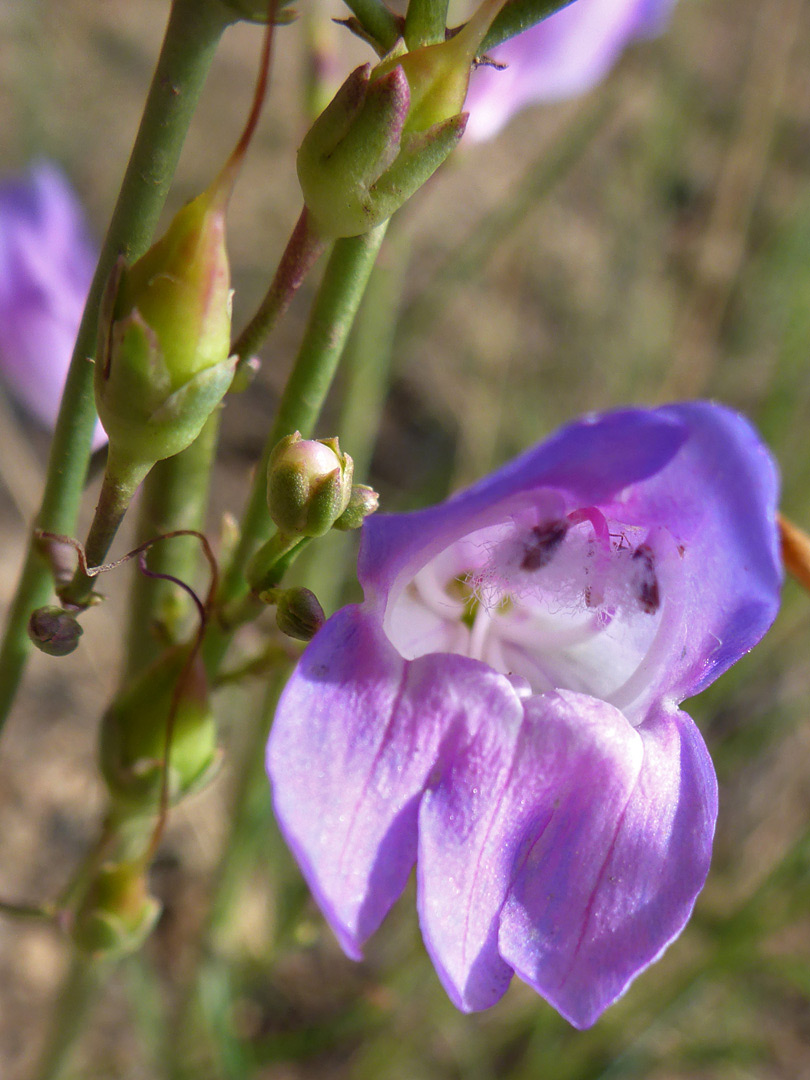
x: 559, y: 58
x: 502, y: 708
x: 46, y: 264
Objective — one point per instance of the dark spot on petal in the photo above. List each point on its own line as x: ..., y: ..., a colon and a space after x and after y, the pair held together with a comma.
x: 646, y: 580
x: 541, y: 544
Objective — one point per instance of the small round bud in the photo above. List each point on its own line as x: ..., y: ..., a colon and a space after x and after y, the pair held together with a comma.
x: 54, y: 631
x: 362, y: 502
x: 118, y: 914
x: 299, y: 614
x: 309, y: 483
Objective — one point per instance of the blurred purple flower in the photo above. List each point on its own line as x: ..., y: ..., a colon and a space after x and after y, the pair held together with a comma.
x: 502, y: 708
x: 565, y: 55
x: 46, y: 264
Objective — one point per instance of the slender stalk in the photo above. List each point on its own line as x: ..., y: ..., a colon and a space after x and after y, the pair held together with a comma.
x: 378, y: 22
x: 303, y: 250
x: 425, y: 22
x: 341, y: 290
x: 117, y: 490
x: 175, y: 496
x: 76, y: 996
x: 248, y: 770
x: 366, y: 371
x: 192, y: 34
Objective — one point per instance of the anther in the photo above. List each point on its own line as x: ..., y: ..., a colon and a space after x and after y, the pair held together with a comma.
x: 542, y: 544
x: 646, y: 580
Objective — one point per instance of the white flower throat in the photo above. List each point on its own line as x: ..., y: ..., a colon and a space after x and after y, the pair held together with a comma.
x: 556, y: 600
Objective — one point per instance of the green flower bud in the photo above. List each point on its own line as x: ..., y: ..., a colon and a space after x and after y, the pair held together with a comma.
x: 354, y: 167
x: 362, y: 502
x: 439, y: 75
x: 309, y: 483
x: 388, y: 130
x: 118, y: 914
x: 133, y: 733
x: 54, y: 631
x: 299, y: 614
x: 162, y: 365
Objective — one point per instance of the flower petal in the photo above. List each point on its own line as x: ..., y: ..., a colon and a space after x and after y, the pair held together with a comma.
x: 539, y: 792
x: 357, y: 734
x: 718, y: 499
x: 594, y: 459
x: 613, y: 878
x: 46, y: 265
x: 561, y: 57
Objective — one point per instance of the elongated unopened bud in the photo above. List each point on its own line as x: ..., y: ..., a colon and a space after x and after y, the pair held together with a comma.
x: 134, y: 731
x: 439, y: 75
x: 163, y: 364
x: 354, y: 167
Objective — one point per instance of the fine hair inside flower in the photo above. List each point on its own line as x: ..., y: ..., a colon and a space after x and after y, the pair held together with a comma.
x: 555, y: 596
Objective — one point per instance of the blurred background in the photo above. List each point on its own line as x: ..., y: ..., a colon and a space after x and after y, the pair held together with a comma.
x: 647, y: 242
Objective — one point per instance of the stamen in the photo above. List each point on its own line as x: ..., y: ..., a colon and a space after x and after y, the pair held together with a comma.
x: 541, y: 544
x: 645, y: 583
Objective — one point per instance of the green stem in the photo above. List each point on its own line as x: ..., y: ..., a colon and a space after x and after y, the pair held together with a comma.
x: 366, y: 372
x: 341, y: 290
x: 248, y: 772
x: 192, y: 34
x: 75, y: 999
x: 425, y: 22
x: 117, y: 489
x: 304, y: 248
x: 175, y: 496
x: 376, y: 19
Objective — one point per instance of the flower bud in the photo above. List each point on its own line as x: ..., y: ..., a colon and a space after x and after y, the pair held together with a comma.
x: 439, y: 75
x: 163, y: 365
x: 354, y: 167
x: 133, y: 733
x: 299, y: 613
x: 362, y: 502
x: 54, y: 631
x: 309, y: 483
x: 118, y: 914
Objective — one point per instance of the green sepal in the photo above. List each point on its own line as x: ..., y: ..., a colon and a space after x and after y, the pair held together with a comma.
x: 117, y: 914
x: 420, y: 157
x: 145, y: 417
x: 349, y: 146
x: 133, y: 734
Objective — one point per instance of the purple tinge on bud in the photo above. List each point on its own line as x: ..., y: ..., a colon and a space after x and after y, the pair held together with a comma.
x: 46, y: 265
x: 566, y: 55
x: 502, y: 709
x: 54, y: 631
